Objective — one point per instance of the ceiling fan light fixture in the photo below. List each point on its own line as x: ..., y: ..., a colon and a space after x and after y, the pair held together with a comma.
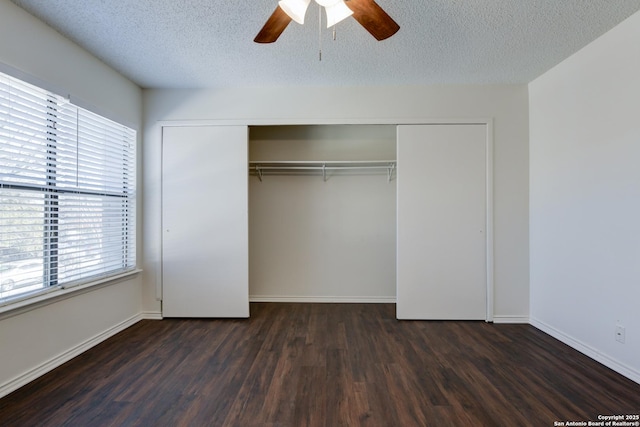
x: 367, y: 12
x: 296, y: 9
x: 337, y: 12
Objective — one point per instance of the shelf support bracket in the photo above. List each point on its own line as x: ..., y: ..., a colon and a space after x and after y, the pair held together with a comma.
x: 259, y: 172
x: 390, y: 171
x: 324, y: 172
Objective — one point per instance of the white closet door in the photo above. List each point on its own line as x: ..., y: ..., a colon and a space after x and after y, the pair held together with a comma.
x: 205, y: 222
x: 441, y: 252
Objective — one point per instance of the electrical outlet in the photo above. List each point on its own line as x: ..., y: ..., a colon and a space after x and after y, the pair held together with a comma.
x: 620, y: 334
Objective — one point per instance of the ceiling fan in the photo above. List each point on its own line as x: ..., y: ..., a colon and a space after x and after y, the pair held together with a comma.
x: 367, y: 12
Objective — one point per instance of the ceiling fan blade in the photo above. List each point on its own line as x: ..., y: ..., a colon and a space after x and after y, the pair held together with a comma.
x: 373, y: 18
x: 274, y: 26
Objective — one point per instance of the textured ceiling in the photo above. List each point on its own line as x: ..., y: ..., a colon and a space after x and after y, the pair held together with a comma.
x: 209, y: 43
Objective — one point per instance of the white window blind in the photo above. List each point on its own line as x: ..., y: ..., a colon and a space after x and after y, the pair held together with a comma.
x: 67, y: 192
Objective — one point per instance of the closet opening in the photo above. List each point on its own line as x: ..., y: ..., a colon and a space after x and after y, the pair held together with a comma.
x: 322, y: 213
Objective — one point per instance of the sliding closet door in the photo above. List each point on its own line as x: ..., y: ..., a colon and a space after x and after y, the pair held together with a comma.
x: 205, y: 221
x: 441, y: 253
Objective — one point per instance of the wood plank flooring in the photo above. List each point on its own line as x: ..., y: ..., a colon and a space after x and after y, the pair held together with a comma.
x: 323, y: 365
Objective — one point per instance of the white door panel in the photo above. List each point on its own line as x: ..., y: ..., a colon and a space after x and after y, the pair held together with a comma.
x: 205, y: 222
x: 441, y: 256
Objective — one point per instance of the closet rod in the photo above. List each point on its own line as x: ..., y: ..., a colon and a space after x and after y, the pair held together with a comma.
x: 265, y: 168
x: 259, y: 167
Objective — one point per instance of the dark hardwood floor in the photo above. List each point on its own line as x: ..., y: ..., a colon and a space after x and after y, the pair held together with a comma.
x: 323, y: 365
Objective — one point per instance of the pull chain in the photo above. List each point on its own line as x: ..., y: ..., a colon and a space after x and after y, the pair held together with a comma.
x: 320, y: 32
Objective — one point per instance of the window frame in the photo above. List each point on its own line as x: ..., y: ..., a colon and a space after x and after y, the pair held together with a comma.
x: 51, y: 284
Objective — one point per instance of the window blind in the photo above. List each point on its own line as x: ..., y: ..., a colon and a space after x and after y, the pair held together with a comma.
x: 67, y: 192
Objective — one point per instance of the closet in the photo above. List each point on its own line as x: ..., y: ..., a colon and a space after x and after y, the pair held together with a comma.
x: 325, y: 213
x: 322, y: 213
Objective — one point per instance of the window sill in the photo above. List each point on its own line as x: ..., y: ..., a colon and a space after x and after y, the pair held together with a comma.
x: 50, y: 296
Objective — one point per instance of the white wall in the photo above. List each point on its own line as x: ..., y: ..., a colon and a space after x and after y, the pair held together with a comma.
x: 311, y: 240
x: 32, y: 341
x: 585, y: 198
x: 507, y: 105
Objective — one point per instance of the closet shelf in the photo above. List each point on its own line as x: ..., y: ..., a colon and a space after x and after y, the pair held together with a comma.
x: 260, y: 168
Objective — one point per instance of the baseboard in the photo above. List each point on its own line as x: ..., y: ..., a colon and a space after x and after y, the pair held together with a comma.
x: 151, y: 315
x: 511, y: 319
x: 596, y: 355
x: 53, y: 363
x: 320, y: 299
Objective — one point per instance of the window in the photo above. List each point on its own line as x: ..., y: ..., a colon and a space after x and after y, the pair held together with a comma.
x: 67, y: 193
